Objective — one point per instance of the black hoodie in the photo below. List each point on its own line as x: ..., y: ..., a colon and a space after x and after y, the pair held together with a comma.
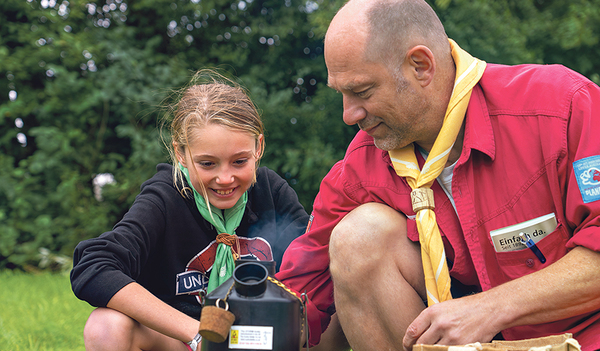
x: 163, y: 232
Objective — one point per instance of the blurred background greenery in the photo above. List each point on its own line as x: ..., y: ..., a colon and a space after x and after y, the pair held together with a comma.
x: 81, y: 80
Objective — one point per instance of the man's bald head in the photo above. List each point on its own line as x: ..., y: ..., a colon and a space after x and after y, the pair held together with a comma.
x: 396, y: 26
x: 387, y: 29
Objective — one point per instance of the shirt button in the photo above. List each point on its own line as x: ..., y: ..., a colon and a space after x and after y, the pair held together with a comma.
x: 529, y: 262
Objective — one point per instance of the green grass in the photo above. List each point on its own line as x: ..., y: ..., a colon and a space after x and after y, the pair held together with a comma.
x: 40, y: 312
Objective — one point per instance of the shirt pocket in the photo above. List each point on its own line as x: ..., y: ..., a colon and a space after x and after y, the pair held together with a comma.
x: 515, y: 264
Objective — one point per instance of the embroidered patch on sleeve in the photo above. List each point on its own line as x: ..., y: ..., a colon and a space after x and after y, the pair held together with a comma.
x: 587, y: 172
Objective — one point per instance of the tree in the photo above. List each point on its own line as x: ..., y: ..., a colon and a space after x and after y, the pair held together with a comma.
x: 533, y: 31
x: 84, y: 81
x: 81, y: 84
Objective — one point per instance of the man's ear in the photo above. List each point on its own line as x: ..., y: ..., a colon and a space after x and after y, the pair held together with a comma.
x: 178, y: 154
x: 422, y: 64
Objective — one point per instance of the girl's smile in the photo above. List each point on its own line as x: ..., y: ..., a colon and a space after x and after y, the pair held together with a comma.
x: 223, y: 192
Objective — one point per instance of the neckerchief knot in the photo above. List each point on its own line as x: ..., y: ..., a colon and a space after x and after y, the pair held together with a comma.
x: 230, y: 240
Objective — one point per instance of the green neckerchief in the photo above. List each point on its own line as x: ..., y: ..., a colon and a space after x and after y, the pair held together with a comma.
x: 225, y: 221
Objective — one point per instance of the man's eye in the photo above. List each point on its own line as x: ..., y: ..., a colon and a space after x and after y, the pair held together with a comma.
x: 362, y: 94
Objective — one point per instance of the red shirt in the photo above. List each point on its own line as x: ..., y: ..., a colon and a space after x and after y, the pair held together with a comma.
x: 523, y: 133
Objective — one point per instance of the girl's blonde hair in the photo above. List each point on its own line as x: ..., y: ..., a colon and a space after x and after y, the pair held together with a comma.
x: 209, y: 98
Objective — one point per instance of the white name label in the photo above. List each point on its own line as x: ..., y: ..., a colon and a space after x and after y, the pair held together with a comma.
x: 251, y: 337
x: 507, y: 238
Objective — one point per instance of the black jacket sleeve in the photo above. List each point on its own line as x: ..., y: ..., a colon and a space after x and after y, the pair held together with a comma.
x: 104, y: 265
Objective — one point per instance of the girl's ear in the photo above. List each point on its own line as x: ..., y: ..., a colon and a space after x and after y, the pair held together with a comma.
x: 259, y: 146
x: 178, y: 154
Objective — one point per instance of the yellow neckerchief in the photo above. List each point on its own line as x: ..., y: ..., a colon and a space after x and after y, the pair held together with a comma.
x: 437, y: 278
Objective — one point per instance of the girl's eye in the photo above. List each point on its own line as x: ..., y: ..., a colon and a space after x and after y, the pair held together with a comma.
x: 205, y: 164
x: 241, y: 162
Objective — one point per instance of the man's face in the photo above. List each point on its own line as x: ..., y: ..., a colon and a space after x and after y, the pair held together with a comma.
x: 383, y: 103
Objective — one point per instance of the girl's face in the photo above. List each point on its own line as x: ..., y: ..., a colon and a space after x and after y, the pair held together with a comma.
x: 223, y: 160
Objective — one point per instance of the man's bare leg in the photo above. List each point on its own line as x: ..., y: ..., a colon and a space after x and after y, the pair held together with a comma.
x: 333, y: 339
x: 378, y: 278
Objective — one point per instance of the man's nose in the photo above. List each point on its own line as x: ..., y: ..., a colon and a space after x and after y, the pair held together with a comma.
x: 354, y: 111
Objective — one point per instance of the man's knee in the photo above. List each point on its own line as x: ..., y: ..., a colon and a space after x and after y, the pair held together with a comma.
x: 363, y: 237
x: 368, y: 226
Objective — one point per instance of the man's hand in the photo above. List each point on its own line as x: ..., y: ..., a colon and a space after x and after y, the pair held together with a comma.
x: 454, y: 322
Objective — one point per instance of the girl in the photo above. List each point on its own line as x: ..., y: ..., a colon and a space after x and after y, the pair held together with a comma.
x: 178, y: 240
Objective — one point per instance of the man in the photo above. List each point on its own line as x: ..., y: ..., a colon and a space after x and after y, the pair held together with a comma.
x: 512, y: 217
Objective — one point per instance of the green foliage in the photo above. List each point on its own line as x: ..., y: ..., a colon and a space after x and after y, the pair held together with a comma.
x: 80, y: 119
x: 533, y: 31
x: 39, y: 312
x: 88, y: 78
x: 84, y: 80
